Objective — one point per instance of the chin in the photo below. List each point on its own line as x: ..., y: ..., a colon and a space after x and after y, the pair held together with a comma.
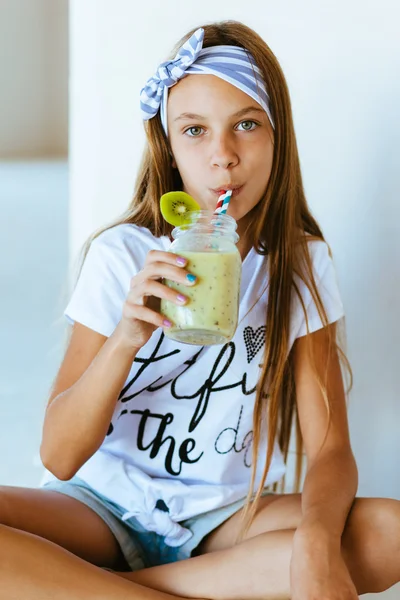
x: 237, y: 212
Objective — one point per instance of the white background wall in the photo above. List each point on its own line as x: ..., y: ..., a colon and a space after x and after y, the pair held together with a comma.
x: 33, y: 78
x: 342, y: 61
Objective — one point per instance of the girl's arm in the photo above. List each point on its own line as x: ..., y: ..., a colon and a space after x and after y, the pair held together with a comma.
x: 331, y: 479
x: 83, y: 398
x: 95, y: 367
x: 317, y: 566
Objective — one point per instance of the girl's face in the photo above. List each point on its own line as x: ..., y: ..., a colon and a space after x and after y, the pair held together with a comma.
x: 220, y: 139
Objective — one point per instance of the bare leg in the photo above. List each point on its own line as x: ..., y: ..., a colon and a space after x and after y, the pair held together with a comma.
x: 256, y: 568
x: 36, y: 569
x: 259, y: 568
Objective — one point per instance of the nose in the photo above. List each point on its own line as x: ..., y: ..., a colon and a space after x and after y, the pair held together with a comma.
x: 224, y: 153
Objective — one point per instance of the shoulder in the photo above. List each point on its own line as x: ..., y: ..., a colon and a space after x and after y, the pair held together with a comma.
x: 102, y: 284
x: 125, y: 243
x: 130, y: 237
x: 305, y: 305
x: 320, y: 255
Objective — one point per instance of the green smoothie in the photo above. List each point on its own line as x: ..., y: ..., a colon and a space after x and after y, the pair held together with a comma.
x: 211, y: 313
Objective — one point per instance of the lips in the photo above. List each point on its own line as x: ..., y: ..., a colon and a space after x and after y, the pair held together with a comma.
x: 236, y: 189
x: 224, y: 188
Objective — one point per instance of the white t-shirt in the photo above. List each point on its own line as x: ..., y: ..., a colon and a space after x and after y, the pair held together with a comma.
x: 181, y: 431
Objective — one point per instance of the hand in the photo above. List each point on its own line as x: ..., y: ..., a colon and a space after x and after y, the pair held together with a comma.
x: 318, y: 571
x: 140, y: 313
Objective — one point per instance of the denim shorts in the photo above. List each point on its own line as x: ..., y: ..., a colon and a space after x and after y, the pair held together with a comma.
x: 142, y: 548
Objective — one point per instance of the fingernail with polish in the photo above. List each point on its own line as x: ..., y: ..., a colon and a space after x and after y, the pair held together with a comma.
x: 191, y: 278
x: 181, y: 261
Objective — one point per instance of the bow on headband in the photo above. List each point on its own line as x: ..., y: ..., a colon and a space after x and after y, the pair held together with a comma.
x: 231, y: 63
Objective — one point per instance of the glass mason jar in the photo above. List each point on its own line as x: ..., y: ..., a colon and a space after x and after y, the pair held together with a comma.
x: 210, y: 315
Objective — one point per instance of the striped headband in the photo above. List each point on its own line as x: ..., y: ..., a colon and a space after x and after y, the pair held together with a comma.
x: 231, y: 63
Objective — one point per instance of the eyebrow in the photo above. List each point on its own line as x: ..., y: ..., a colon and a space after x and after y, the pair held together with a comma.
x: 239, y: 113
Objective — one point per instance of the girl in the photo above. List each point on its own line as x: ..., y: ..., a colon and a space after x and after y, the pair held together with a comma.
x: 163, y: 458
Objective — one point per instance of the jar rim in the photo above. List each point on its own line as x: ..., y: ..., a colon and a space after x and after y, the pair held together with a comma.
x: 200, y: 222
x: 196, y: 216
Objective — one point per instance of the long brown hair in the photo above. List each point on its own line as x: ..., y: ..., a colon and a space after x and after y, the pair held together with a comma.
x: 281, y: 227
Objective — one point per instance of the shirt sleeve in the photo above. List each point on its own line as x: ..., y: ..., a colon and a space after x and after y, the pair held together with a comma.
x: 103, y: 284
x: 327, y: 284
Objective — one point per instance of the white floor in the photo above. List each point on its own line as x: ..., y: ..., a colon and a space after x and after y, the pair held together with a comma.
x: 33, y: 271
x: 33, y: 250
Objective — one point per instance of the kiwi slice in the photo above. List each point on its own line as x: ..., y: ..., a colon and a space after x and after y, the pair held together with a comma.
x: 175, y: 207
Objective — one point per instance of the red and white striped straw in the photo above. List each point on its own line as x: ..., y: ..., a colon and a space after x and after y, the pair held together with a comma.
x: 223, y: 203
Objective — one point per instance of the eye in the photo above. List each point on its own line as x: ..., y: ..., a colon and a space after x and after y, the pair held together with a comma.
x: 247, y: 125
x: 194, y: 131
